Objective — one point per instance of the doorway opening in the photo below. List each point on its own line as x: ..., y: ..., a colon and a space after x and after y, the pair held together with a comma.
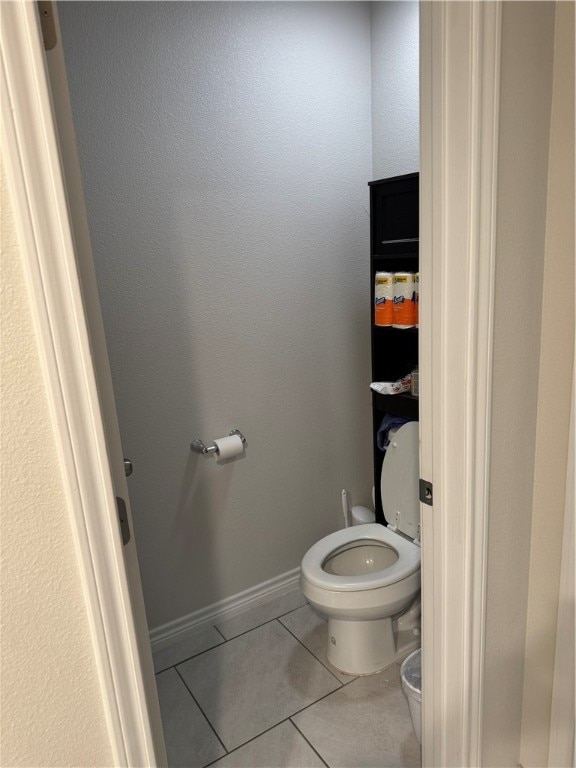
x: 226, y: 188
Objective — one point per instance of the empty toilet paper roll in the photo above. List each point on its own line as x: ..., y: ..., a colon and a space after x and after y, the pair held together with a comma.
x: 228, y: 447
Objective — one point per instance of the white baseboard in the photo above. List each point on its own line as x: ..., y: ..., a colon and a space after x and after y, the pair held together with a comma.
x: 166, y: 634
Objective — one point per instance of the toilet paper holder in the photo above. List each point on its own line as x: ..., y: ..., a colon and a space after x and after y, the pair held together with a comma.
x: 198, y: 446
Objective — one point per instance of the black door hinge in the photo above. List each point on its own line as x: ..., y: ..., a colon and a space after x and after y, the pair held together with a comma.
x: 123, y: 518
x: 46, y: 14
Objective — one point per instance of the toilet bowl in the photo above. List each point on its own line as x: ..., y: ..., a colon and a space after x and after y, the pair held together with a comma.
x: 366, y: 579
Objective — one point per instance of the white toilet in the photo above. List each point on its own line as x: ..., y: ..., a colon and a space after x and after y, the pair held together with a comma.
x: 366, y: 578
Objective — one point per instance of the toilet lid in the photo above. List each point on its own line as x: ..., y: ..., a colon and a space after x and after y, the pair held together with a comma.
x: 399, y: 480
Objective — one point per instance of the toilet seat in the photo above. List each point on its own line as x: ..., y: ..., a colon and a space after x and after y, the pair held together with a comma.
x: 408, y: 559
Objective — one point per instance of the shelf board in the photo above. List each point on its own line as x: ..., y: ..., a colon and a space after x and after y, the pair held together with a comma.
x: 390, y: 329
x: 402, y: 240
x: 402, y: 177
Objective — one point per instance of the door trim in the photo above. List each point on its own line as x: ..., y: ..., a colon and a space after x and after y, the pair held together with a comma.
x: 460, y: 75
x: 562, y: 744
x: 35, y: 180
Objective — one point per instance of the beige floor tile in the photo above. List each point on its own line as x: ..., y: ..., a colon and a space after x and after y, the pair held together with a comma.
x: 364, y: 724
x: 255, y: 681
x: 262, y: 613
x: 312, y: 630
x: 281, y: 747
x: 190, y: 645
x: 190, y: 742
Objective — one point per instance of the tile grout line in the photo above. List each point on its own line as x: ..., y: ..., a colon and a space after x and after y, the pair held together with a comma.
x: 257, y: 626
x: 316, y: 657
x: 256, y: 736
x: 312, y: 747
x: 188, y: 658
x: 312, y: 703
x: 286, y: 719
x: 244, y: 743
x: 212, y: 728
x: 227, y: 640
x: 263, y: 733
x: 203, y: 713
x: 289, y: 718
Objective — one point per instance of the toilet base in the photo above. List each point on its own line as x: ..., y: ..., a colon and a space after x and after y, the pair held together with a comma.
x: 366, y: 647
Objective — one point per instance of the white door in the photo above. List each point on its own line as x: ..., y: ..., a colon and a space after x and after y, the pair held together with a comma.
x: 37, y: 129
x: 86, y: 271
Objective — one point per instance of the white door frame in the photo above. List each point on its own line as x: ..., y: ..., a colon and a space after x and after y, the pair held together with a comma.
x: 460, y: 44
x: 562, y: 743
x: 459, y: 82
x: 112, y: 590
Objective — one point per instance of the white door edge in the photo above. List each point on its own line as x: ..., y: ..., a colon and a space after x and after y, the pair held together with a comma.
x: 459, y: 70
x: 562, y: 745
x: 35, y: 179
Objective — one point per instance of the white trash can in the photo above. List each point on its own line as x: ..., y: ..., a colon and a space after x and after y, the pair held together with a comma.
x: 411, y: 674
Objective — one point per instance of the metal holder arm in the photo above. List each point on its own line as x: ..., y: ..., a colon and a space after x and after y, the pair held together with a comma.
x: 198, y: 446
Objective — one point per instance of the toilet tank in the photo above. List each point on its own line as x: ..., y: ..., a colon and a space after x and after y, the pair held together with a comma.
x: 362, y: 516
x: 399, y: 480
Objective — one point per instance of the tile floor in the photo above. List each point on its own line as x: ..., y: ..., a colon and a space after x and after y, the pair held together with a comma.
x: 258, y: 692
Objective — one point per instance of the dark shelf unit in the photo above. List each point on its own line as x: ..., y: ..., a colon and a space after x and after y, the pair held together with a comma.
x: 394, y: 244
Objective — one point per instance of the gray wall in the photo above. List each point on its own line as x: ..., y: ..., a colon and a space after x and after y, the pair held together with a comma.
x: 526, y: 89
x: 225, y: 150
x: 395, y: 88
